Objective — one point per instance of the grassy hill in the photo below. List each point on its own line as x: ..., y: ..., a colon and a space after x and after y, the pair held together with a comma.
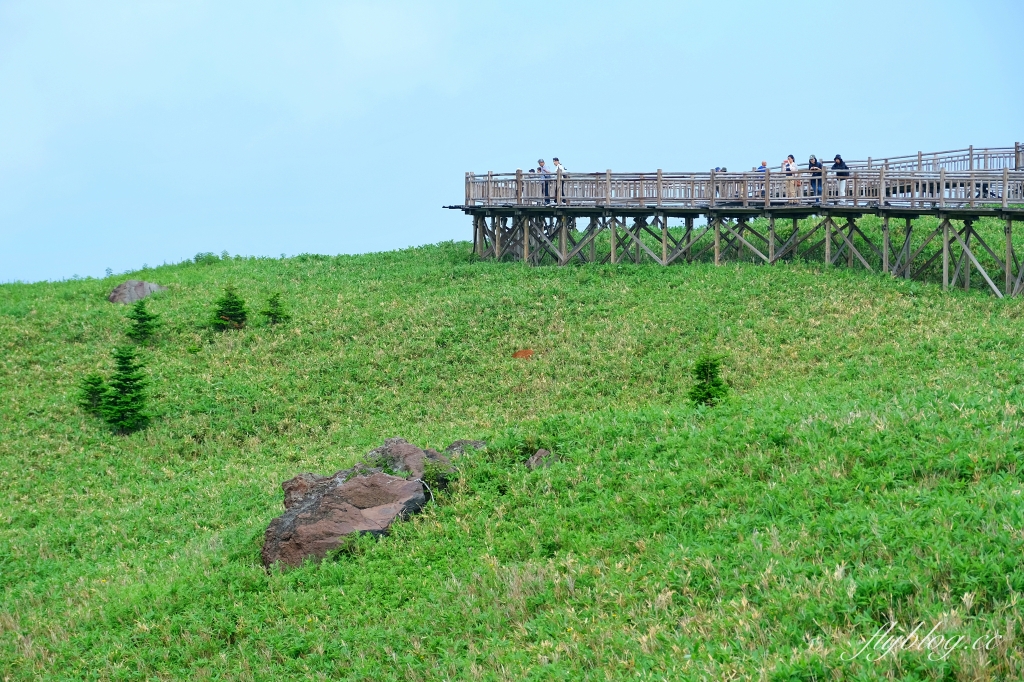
x: 867, y: 467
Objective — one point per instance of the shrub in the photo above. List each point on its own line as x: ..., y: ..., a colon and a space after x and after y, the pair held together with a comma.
x: 144, y: 323
x: 275, y: 312
x: 124, y: 401
x: 710, y: 389
x: 92, y: 391
x: 207, y: 258
x: 229, y: 311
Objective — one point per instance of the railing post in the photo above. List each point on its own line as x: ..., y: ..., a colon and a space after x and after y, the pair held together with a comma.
x: 712, y: 190
x: 608, y: 187
x: 640, y: 192
x: 558, y: 187
x: 490, y: 186
x: 659, y: 188
x: 1006, y: 184
x: 519, y: 186
x: 469, y: 183
x: 1018, y: 159
x: 919, y: 162
x: 942, y: 187
x: 881, y: 187
x: 970, y: 157
x: 972, y: 190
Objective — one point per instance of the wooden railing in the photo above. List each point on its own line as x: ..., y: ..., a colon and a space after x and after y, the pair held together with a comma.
x: 864, y: 186
x: 969, y: 159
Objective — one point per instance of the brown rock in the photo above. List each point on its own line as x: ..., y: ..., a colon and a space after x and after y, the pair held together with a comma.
x: 331, y: 508
x: 133, y: 290
x: 524, y: 354
x: 541, y: 459
x: 401, y: 457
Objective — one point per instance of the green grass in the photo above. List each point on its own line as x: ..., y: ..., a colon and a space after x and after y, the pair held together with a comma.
x: 866, y: 466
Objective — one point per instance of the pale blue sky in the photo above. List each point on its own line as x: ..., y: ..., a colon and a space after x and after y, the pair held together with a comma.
x: 145, y: 132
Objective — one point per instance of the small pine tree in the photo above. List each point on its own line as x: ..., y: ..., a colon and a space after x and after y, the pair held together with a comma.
x: 275, y: 312
x: 92, y: 391
x: 710, y: 389
x: 144, y: 323
x: 124, y: 401
x: 229, y: 311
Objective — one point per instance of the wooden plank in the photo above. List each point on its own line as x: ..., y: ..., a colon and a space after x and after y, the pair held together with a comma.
x: 745, y: 242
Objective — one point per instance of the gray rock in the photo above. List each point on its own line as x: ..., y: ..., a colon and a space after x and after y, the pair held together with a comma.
x: 459, y: 447
x: 321, y: 511
x: 541, y: 459
x: 133, y: 290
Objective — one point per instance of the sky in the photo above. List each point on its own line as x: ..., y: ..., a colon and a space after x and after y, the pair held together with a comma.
x: 141, y: 132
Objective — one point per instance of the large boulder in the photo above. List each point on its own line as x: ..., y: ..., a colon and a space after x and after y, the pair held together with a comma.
x: 133, y: 290
x: 321, y: 511
x: 387, y: 485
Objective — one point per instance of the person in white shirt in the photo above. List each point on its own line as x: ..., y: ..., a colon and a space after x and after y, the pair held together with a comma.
x: 565, y: 173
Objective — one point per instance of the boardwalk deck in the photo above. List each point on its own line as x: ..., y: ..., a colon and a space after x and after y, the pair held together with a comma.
x: 936, y: 200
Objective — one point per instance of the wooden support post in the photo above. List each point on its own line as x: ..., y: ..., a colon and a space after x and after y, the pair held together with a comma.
x: 907, y: 231
x: 885, y: 244
x: 688, y: 237
x: 849, y: 247
x: 828, y: 239
x: 526, y: 239
x: 945, y: 254
x: 613, y: 254
x: 771, y: 239
x: 664, y: 228
x: 1008, y: 232
x: 562, y: 240
x: 968, y: 229
x: 497, y: 238
x: 718, y: 237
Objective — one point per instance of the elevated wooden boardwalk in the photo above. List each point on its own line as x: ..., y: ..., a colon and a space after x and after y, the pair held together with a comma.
x: 946, y: 205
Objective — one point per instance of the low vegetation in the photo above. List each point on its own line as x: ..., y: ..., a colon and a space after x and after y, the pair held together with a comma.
x: 864, y: 468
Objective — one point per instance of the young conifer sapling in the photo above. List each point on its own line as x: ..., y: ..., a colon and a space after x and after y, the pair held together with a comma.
x: 709, y: 388
x: 144, y: 323
x: 229, y: 310
x: 275, y: 311
x: 124, y: 401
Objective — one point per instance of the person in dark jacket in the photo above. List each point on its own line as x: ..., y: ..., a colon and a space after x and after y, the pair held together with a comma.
x: 842, y: 172
x: 816, y: 169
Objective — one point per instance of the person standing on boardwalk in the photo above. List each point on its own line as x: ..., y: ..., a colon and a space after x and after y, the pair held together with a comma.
x: 565, y: 174
x: 816, y: 169
x: 545, y: 175
x: 792, y: 183
x: 842, y: 172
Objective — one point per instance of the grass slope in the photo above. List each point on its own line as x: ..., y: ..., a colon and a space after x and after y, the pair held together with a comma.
x: 867, y: 467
